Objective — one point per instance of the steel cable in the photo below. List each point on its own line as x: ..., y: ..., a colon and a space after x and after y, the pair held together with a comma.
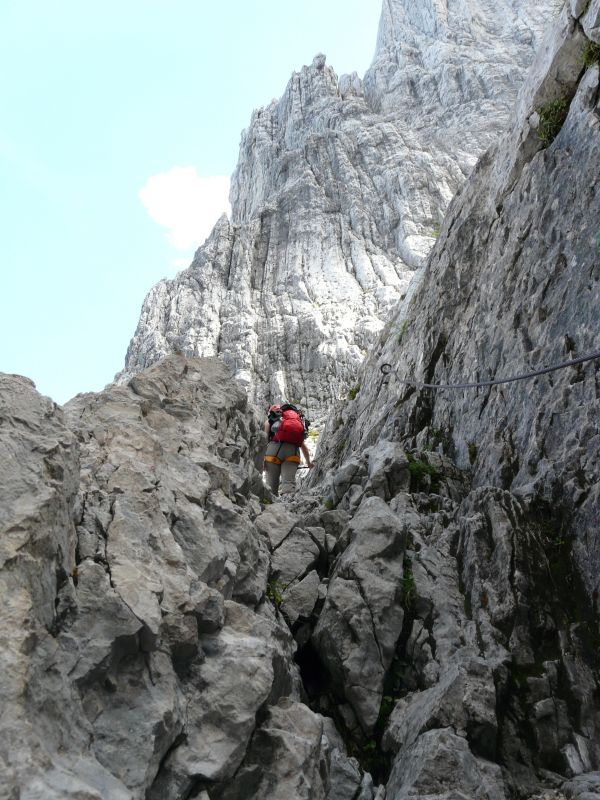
x: 388, y: 369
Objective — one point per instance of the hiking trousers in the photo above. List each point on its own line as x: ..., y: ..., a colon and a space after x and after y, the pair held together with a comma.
x: 289, y: 457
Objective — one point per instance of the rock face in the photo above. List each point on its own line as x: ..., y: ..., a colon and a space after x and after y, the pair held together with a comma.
x: 141, y: 655
x: 504, y: 564
x: 511, y: 287
x: 423, y: 621
x: 339, y: 193
x: 167, y: 634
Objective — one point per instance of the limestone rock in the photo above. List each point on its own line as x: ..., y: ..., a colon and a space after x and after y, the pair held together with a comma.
x: 338, y: 196
x: 362, y: 617
x: 591, y: 21
x: 276, y: 522
x: 463, y: 699
x: 300, y: 598
x: 584, y: 787
x: 235, y: 679
x: 437, y: 600
x: 295, y: 557
x: 43, y: 730
x: 441, y: 765
x: 284, y: 758
x: 123, y: 672
x: 292, y: 757
x: 518, y: 255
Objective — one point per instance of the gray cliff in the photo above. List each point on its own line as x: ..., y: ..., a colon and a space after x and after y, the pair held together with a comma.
x: 511, y: 287
x: 144, y: 654
x: 422, y: 620
x: 338, y: 196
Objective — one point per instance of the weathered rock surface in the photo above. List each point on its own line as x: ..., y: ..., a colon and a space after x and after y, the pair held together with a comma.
x: 584, y: 787
x: 44, y: 732
x: 423, y: 621
x: 482, y: 689
x: 339, y: 194
x: 512, y: 286
x: 144, y: 655
x: 99, y: 620
x: 362, y: 618
x: 493, y: 691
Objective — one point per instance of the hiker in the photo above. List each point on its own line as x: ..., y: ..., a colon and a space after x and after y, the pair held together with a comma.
x: 287, y: 429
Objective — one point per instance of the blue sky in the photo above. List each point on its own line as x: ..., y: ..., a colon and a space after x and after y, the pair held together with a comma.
x: 111, y: 114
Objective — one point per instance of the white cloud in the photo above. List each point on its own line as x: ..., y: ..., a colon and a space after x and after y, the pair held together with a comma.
x: 186, y: 204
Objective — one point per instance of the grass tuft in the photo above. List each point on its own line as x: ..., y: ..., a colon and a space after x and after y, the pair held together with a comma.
x: 472, y: 448
x: 419, y: 469
x: 552, y: 118
x: 591, y: 54
x: 353, y: 392
x: 275, y: 592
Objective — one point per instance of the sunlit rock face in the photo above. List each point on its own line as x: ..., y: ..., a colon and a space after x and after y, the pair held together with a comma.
x: 144, y: 654
x: 446, y: 74
x: 337, y: 198
x: 496, y: 489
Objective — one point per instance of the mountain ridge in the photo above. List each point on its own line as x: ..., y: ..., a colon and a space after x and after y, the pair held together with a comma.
x: 422, y: 618
x: 334, y: 206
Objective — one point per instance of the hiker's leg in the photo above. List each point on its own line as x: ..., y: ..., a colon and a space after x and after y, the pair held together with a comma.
x: 273, y: 470
x: 289, y: 469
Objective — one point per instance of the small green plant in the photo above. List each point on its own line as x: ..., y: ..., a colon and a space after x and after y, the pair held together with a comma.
x: 435, y: 233
x: 557, y: 539
x: 552, y: 118
x: 313, y: 434
x: 387, y: 706
x: 472, y: 448
x: 374, y: 760
x: 353, y: 392
x: 274, y: 592
x: 328, y: 503
x: 419, y: 469
x: 409, y: 588
x: 591, y: 54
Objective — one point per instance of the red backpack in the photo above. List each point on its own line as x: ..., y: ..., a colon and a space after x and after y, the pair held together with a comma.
x: 289, y: 426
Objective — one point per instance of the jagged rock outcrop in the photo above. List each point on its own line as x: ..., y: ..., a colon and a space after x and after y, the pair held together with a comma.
x: 167, y: 634
x: 512, y: 286
x: 490, y: 688
x: 487, y: 695
x: 423, y: 621
x: 339, y: 193
x: 139, y: 650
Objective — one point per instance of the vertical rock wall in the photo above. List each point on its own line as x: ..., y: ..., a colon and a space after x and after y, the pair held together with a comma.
x: 339, y: 194
x: 494, y: 687
x: 423, y: 622
x: 512, y: 286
